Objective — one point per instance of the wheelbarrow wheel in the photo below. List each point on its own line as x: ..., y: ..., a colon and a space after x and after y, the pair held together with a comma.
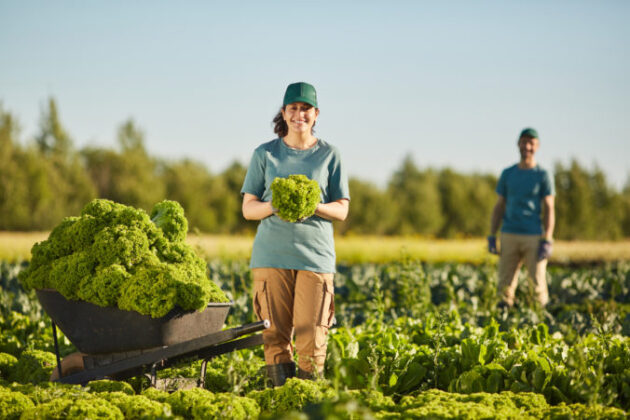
x: 70, y: 364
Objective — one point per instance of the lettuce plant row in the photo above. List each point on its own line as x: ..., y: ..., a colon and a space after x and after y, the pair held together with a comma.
x: 412, y: 341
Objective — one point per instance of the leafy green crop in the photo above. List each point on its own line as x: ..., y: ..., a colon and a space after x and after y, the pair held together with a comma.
x: 198, y: 403
x: 115, y: 255
x: 7, y: 365
x: 48, y: 391
x: 295, y: 197
x: 12, y: 404
x: 34, y: 366
x: 169, y: 216
x: 226, y: 406
x: 106, y: 385
x: 137, y: 406
x: 184, y: 401
x: 506, y: 405
x: 413, y: 341
x: 294, y: 394
x: 156, y: 394
x: 66, y: 408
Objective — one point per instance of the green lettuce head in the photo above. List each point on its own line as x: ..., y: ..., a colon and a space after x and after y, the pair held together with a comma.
x: 169, y: 216
x: 116, y: 255
x: 295, y: 197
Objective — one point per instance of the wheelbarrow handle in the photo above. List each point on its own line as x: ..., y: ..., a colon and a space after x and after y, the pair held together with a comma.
x: 252, y: 328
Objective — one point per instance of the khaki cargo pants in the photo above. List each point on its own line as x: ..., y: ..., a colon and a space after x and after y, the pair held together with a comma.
x: 516, y: 249
x: 295, y: 301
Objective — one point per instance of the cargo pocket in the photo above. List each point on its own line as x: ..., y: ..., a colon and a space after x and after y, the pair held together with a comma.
x: 261, y: 303
x: 327, y: 317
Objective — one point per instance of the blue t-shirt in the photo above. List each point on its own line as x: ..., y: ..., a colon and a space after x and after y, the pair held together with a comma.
x: 524, y: 190
x: 307, y: 245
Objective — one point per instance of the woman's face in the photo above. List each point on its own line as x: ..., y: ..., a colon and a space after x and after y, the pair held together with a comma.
x: 300, y: 117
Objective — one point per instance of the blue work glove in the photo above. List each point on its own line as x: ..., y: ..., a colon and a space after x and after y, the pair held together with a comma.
x: 492, y: 245
x: 544, y: 249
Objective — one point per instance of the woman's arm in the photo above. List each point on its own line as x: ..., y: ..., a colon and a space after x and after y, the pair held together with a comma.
x: 254, y: 209
x: 335, y: 210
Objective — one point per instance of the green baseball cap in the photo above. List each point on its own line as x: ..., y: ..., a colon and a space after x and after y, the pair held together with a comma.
x: 300, y: 92
x: 529, y: 132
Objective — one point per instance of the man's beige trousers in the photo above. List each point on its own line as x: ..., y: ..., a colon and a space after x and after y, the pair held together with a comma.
x: 516, y: 249
x: 295, y: 301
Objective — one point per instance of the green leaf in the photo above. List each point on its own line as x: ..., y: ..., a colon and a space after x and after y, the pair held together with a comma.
x: 392, y: 380
x: 559, y: 395
x: 494, y: 382
x: 469, y: 382
x: 544, y: 365
x: 411, y: 378
x: 539, y: 379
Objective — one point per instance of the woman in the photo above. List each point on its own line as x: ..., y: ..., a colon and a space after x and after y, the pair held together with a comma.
x: 293, y: 264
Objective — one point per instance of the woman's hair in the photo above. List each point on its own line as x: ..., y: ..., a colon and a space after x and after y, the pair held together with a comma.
x: 280, y: 125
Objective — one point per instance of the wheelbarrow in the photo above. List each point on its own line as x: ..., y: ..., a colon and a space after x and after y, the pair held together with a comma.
x: 119, y: 344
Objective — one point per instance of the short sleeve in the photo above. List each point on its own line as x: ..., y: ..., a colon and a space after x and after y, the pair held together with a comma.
x: 502, y: 185
x: 338, y: 179
x: 255, y: 178
x: 548, y: 187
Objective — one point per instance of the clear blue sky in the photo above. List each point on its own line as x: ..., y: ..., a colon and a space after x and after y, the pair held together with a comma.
x: 451, y: 83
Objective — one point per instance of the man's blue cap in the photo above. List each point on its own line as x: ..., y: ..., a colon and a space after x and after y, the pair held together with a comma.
x: 529, y: 132
x: 300, y: 92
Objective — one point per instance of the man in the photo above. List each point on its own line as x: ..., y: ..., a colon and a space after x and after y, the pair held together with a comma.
x: 522, y: 189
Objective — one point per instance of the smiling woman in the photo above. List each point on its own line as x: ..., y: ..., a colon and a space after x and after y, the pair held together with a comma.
x: 302, y: 116
x: 293, y: 263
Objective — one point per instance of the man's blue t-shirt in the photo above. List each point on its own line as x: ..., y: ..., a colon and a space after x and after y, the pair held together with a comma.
x: 307, y: 245
x: 523, y: 190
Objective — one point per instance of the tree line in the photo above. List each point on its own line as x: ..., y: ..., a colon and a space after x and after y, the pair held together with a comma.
x: 48, y: 179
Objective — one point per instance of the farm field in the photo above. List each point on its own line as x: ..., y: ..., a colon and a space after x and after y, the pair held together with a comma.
x: 16, y: 246
x: 412, y: 340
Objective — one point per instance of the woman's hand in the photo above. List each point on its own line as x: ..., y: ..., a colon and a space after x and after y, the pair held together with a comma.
x: 254, y: 209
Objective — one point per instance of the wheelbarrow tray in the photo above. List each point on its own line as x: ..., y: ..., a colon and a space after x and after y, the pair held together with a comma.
x: 95, y: 329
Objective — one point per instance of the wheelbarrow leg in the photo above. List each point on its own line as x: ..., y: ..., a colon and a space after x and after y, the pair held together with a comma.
x: 54, y: 330
x: 153, y: 375
x: 201, y: 383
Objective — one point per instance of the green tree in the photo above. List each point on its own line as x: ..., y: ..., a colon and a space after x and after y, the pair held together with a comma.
x: 192, y: 186
x: 467, y: 202
x: 9, y: 131
x: 608, y: 208
x: 372, y: 211
x: 46, y: 203
x: 586, y: 206
x: 60, y: 184
x: 228, y: 186
x: 39, y: 186
x: 625, y: 208
x: 138, y: 183
x: 53, y: 139
x: 103, y: 165
x: 574, y: 210
x: 418, y: 197
x: 129, y: 177
x: 13, y: 183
